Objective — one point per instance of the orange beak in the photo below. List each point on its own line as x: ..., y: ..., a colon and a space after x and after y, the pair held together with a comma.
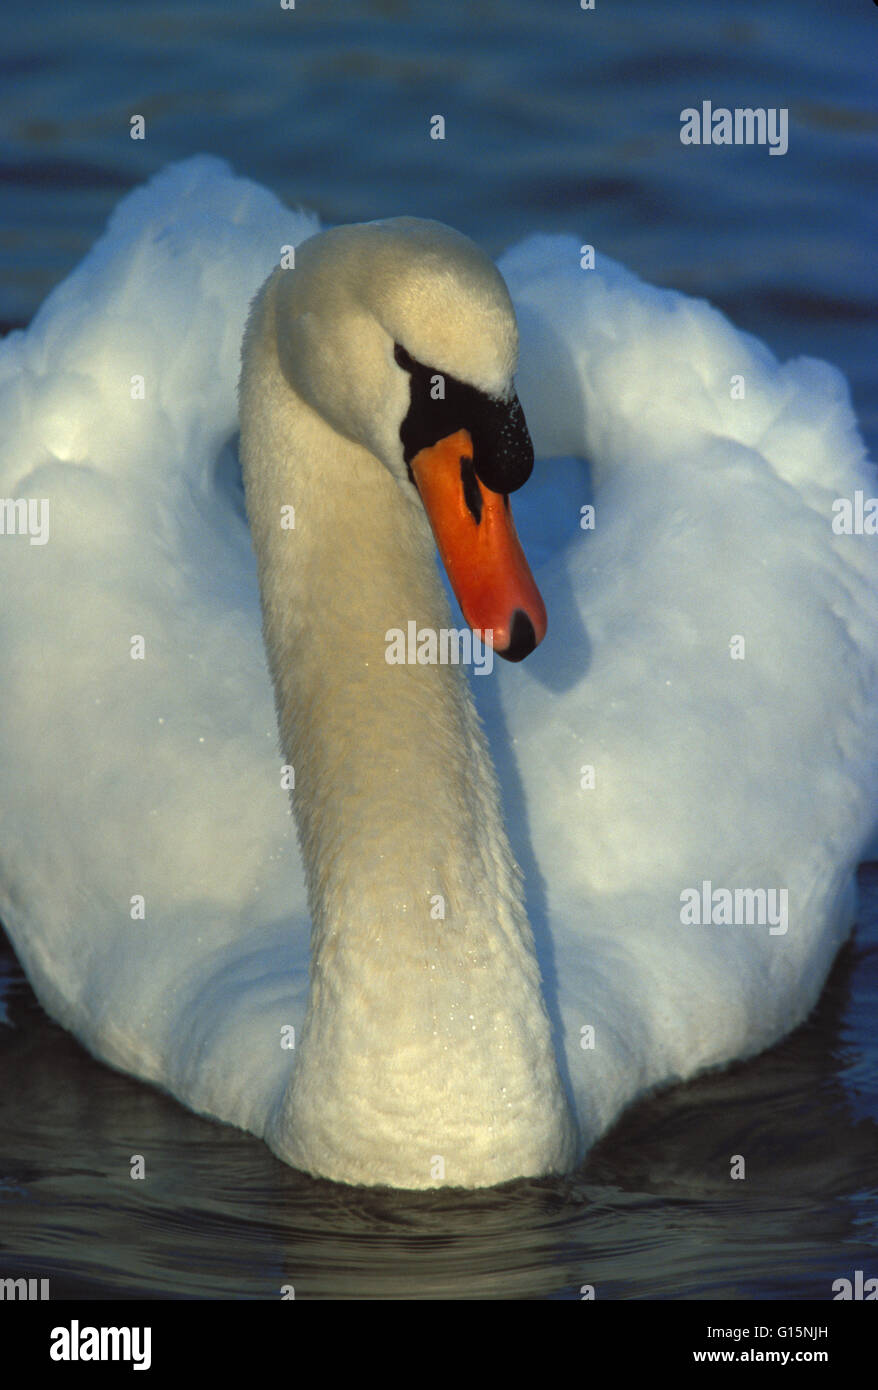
x: 480, y: 549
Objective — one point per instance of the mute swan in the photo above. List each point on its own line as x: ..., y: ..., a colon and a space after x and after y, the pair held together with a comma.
x: 701, y: 717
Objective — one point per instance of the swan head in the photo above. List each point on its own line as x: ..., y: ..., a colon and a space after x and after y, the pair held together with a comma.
x: 401, y: 335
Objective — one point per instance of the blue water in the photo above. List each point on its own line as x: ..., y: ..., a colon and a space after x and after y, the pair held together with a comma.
x: 556, y: 119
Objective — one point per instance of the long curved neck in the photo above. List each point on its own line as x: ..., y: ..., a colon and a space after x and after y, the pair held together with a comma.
x: 426, y: 1054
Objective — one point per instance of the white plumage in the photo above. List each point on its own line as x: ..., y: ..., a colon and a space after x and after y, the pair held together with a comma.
x: 161, y: 777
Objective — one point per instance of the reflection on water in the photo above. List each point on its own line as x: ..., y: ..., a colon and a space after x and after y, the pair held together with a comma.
x: 653, y: 1214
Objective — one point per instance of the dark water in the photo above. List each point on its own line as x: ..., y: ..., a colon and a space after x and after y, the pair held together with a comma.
x: 653, y: 1214
x: 556, y: 119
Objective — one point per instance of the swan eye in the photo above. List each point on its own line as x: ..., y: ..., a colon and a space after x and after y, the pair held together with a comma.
x: 403, y: 358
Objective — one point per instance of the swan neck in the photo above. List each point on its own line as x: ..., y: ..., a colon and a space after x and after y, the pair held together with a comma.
x: 426, y: 1055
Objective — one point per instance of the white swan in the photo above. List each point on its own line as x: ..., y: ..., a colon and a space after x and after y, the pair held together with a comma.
x: 148, y: 873
x: 426, y: 1049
